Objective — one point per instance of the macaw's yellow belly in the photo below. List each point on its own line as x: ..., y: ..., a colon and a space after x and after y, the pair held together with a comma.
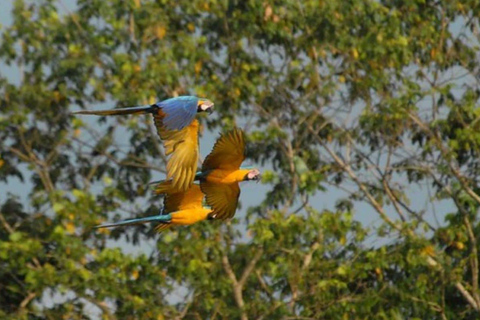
x: 189, y: 216
x: 226, y: 176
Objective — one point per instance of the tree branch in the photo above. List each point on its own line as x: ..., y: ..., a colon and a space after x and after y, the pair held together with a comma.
x: 473, y: 259
x: 308, y: 257
x: 361, y: 185
x: 239, y: 284
x: 5, y: 224
x: 467, y: 296
x: 248, y: 270
x: 444, y: 152
x: 27, y: 299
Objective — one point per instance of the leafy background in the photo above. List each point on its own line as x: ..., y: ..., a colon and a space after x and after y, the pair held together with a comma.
x: 363, y: 116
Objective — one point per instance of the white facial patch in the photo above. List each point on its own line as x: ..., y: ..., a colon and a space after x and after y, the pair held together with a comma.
x: 252, y: 174
x: 206, y: 106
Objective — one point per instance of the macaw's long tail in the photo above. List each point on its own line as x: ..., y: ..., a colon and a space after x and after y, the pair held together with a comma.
x: 121, y: 111
x: 163, y: 218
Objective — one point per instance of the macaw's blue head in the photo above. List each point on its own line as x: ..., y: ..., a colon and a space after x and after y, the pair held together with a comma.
x: 180, y: 111
x: 204, y: 105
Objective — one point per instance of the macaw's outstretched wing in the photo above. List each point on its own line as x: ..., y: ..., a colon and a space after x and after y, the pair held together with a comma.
x: 223, y: 198
x: 182, y: 147
x: 179, y: 111
x: 190, y: 199
x: 163, y: 186
x: 228, y: 152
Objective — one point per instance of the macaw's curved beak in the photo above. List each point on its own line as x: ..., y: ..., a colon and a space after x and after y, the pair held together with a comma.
x: 210, y: 110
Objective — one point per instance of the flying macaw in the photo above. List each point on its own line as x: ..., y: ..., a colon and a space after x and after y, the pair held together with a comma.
x: 176, y: 125
x: 221, y: 173
x: 219, y: 179
x: 179, y: 208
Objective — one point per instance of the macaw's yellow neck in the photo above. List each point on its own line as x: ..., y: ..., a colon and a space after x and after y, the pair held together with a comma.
x: 227, y: 176
x: 190, y: 216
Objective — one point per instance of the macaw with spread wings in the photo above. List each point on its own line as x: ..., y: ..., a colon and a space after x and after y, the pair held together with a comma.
x: 179, y: 208
x: 221, y: 173
x: 176, y: 125
x: 219, y: 179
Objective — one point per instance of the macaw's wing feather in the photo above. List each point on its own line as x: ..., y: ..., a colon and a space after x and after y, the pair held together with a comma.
x: 163, y: 186
x: 179, y: 111
x: 120, y: 111
x: 182, y: 147
x: 177, y: 201
x: 223, y: 198
x: 162, y: 226
x: 228, y: 152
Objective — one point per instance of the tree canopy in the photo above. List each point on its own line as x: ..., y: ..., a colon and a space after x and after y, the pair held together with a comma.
x: 363, y: 116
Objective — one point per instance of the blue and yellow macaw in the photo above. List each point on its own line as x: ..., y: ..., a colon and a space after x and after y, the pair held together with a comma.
x: 179, y: 208
x: 176, y: 125
x: 221, y: 173
x: 219, y: 183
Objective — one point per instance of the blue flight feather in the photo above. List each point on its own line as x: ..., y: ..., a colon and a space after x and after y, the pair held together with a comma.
x: 159, y: 218
x: 179, y: 111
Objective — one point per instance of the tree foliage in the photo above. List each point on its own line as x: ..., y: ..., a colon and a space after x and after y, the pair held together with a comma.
x: 356, y: 111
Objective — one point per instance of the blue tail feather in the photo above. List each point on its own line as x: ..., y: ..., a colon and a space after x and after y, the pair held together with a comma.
x: 158, y: 218
x: 119, y: 111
